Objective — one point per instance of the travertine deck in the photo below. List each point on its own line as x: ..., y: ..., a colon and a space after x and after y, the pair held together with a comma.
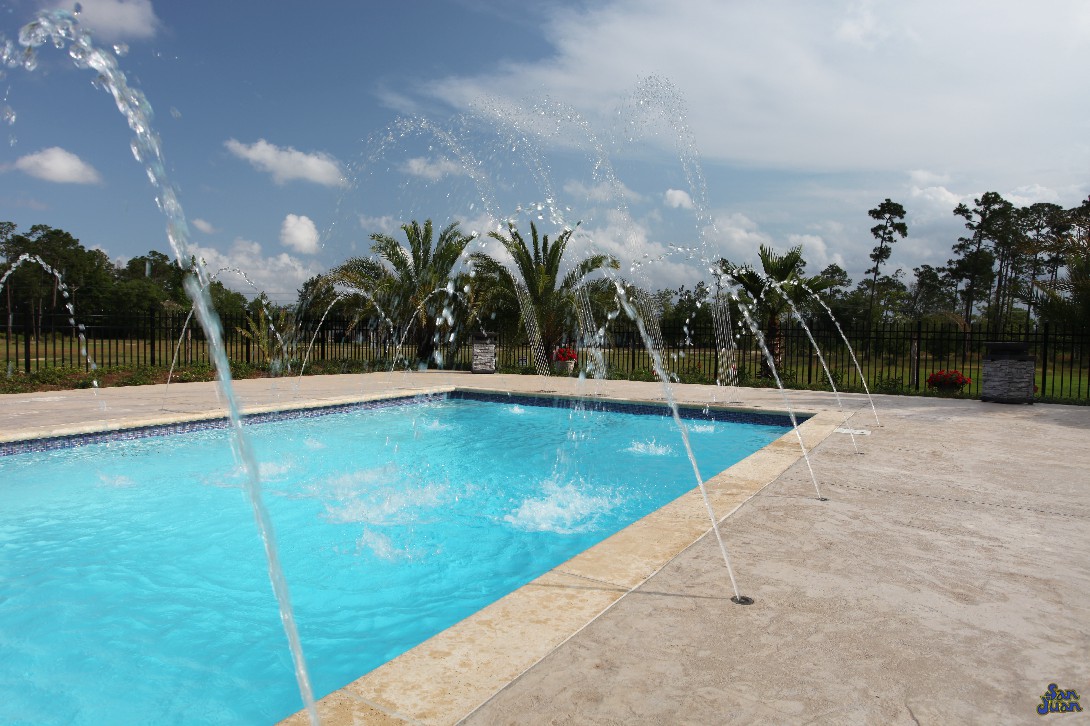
x: 946, y: 580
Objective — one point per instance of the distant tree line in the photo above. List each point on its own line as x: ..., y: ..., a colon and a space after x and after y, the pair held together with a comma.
x: 1013, y: 267
x: 95, y: 284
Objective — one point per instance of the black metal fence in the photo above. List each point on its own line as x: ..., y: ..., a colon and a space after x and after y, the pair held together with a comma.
x: 894, y: 358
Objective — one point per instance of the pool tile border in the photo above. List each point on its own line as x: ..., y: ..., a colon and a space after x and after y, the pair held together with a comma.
x: 707, y: 413
x: 68, y: 441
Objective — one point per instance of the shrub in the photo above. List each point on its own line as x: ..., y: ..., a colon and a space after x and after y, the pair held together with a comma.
x: 887, y: 384
x: 695, y: 376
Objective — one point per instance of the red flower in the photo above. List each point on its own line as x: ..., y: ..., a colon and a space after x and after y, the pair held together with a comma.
x: 563, y: 355
x: 948, y: 380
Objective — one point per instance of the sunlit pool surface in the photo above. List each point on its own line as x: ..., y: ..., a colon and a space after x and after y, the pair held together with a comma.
x: 133, y: 585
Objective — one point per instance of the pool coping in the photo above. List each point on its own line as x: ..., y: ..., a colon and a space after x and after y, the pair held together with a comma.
x: 447, y: 677
x: 73, y: 436
x: 166, y: 423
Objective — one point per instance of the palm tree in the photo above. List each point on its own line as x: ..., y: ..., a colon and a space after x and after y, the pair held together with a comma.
x: 772, y: 301
x: 410, y: 282
x: 536, y: 279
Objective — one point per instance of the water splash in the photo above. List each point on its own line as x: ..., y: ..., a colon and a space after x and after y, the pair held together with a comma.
x: 563, y: 508
x: 650, y: 448
x: 80, y: 328
x: 261, y: 301
x: 61, y: 29
x: 851, y: 351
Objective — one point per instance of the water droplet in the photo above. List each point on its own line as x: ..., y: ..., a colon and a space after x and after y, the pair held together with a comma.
x: 121, y: 50
x: 8, y: 114
x: 175, y: 112
x: 30, y: 60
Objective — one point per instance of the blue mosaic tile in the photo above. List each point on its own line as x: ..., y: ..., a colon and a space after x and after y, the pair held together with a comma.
x: 10, y: 448
x: 643, y: 409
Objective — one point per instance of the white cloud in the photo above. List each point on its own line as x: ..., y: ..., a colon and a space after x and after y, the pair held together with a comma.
x: 677, y: 199
x: 203, y: 226
x: 287, y: 164
x: 1029, y: 194
x: 925, y: 178
x: 610, y: 193
x: 112, y: 20
x: 280, y: 276
x: 478, y: 225
x: 57, y: 165
x: 815, y: 251
x: 872, y: 85
x: 643, y: 261
x: 936, y: 202
x: 431, y: 169
x: 299, y: 233
x: 737, y: 238
x: 384, y: 224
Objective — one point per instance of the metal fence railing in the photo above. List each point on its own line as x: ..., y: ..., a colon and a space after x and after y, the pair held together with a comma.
x: 893, y: 358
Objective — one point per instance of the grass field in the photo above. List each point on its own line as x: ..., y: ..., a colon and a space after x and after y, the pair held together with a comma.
x: 1066, y: 377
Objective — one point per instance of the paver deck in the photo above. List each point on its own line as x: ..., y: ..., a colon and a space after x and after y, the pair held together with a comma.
x: 946, y: 580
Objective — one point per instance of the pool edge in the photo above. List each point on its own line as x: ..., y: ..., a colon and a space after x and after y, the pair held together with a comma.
x: 168, y: 422
x: 449, y: 676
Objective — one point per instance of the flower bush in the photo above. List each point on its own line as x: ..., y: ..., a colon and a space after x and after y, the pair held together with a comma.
x: 563, y: 355
x: 948, y: 380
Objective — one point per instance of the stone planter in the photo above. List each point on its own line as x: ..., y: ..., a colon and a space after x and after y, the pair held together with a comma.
x: 484, y: 354
x: 1008, y: 372
x: 566, y: 367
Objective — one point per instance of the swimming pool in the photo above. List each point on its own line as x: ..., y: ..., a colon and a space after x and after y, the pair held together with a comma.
x: 135, y: 588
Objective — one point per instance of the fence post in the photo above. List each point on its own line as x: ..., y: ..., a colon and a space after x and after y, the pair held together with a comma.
x: 151, y: 329
x: 1044, y: 360
x: 808, y: 358
x: 26, y: 338
x: 918, y: 345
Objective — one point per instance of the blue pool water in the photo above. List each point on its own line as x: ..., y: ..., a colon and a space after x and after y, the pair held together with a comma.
x: 133, y: 585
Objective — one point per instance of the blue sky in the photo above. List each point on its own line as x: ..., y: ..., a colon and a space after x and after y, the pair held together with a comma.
x: 673, y: 132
